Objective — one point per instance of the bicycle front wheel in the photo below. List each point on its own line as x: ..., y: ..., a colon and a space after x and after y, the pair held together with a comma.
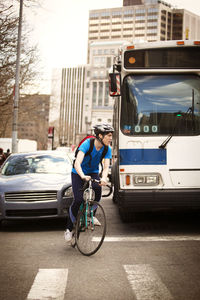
x: 89, y: 237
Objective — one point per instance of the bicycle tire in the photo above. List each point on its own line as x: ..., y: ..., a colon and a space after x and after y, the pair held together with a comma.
x: 90, y: 238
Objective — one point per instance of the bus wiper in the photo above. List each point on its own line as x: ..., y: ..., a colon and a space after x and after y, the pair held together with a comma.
x: 164, y: 144
x: 190, y: 110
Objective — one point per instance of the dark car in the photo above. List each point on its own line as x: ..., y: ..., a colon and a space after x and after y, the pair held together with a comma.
x: 35, y: 185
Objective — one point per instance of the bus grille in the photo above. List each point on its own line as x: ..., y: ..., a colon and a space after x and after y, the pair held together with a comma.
x: 43, y: 196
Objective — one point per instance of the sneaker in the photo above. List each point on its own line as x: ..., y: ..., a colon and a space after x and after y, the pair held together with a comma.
x: 68, y: 235
x: 96, y: 221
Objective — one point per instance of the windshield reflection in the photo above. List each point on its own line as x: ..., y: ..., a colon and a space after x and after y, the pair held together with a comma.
x: 160, y: 105
x: 45, y: 164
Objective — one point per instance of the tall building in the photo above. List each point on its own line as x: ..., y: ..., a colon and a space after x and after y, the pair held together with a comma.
x: 34, y: 119
x: 137, y: 20
x: 146, y: 20
x: 97, y: 103
x: 86, y: 101
x: 71, y: 105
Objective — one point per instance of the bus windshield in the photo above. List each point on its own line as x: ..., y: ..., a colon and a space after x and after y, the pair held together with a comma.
x: 160, y: 105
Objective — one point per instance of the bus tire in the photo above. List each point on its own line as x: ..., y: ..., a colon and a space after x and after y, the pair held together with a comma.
x: 115, y: 196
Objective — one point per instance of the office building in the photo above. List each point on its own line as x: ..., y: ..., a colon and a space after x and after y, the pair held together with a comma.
x: 137, y: 20
x: 34, y: 119
x: 143, y: 20
x: 71, y: 105
x: 87, y: 102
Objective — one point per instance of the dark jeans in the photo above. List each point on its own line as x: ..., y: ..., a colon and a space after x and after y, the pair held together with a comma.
x: 77, y: 185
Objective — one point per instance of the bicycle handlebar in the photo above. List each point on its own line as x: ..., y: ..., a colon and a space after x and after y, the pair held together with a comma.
x: 98, y: 181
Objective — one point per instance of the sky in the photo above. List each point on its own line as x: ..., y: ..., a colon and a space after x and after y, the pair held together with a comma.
x: 60, y: 28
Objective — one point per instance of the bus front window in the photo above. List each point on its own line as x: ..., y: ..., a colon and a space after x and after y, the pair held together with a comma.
x: 160, y: 105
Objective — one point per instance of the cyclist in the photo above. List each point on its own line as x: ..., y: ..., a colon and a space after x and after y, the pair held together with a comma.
x: 87, y: 167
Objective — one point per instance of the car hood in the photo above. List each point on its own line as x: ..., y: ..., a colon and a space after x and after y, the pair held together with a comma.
x: 33, y: 182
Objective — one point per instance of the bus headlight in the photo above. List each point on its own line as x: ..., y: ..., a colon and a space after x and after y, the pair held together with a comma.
x: 146, y: 179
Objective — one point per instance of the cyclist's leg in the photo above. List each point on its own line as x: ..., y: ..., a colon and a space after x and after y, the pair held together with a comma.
x: 96, y: 187
x: 77, y: 185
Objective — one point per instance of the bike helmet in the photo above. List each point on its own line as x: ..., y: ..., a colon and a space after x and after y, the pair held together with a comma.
x: 103, y: 129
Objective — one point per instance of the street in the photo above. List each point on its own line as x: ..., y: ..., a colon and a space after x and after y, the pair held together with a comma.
x: 155, y: 257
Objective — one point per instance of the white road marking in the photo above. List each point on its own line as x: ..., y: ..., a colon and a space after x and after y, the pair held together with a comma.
x: 49, y: 284
x: 164, y: 238
x: 146, y: 284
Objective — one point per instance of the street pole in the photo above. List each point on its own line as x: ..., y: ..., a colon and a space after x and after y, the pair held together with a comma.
x: 16, y: 90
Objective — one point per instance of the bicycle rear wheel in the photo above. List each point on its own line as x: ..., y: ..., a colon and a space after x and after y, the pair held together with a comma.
x: 89, y: 237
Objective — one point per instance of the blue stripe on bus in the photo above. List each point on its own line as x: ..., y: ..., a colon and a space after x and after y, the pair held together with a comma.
x: 143, y: 157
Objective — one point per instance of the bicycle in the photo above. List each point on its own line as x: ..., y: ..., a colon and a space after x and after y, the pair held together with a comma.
x: 88, y: 236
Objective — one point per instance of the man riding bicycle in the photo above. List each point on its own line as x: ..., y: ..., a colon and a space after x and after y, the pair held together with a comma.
x: 87, y: 167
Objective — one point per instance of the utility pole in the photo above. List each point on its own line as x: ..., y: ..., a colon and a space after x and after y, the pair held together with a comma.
x: 16, y: 90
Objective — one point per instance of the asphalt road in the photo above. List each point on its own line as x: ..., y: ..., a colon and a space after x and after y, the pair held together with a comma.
x: 155, y: 257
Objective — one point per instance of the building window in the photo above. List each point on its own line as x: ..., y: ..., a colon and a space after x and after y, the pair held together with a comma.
x: 153, y: 18
x: 116, y: 14
x: 152, y: 9
x: 94, y: 16
x: 106, y: 98
x: 100, y: 98
x: 108, y: 63
x: 128, y: 12
x: 140, y: 11
x: 150, y: 24
x: 99, y: 61
x: 139, y: 18
x: 105, y: 14
x: 152, y: 31
x: 94, y: 93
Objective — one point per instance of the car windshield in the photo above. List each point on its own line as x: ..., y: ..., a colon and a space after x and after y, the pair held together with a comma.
x: 47, y: 164
x: 161, y: 105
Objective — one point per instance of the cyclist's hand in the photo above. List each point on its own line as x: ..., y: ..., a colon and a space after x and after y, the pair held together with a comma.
x: 86, y: 178
x: 103, y: 182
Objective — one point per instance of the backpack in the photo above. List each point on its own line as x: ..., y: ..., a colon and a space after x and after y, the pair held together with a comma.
x: 92, y: 139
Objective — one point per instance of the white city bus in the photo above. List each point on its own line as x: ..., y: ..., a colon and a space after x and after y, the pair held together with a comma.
x: 156, y: 145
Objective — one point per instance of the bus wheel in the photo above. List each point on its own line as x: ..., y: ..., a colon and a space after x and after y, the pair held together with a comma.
x: 115, y: 196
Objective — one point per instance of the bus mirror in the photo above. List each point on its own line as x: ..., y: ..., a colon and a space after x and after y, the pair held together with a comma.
x: 114, y: 84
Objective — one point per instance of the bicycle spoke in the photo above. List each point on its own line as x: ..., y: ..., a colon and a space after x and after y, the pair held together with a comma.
x: 89, y: 237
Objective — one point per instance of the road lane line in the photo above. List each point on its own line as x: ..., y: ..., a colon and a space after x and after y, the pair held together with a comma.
x: 167, y: 238
x: 146, y: 284
x: 49, y: 284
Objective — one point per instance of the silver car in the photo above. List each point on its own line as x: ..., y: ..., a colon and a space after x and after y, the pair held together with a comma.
x: 35, y: 185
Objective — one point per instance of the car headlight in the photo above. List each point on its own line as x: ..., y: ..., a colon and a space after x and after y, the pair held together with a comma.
x: 68, y: 192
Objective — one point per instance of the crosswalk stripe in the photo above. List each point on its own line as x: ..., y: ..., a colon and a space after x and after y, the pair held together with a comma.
x: 49, y: 284
x: 146, y: 284
x: 167, y: 238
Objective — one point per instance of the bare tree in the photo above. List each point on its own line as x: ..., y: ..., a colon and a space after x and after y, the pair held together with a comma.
x: 8, y: 49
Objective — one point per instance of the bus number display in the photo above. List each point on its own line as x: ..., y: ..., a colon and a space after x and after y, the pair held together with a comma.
x: 140, y: 129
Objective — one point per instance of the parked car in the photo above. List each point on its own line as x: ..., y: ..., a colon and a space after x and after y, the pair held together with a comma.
x: 35, y: 185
